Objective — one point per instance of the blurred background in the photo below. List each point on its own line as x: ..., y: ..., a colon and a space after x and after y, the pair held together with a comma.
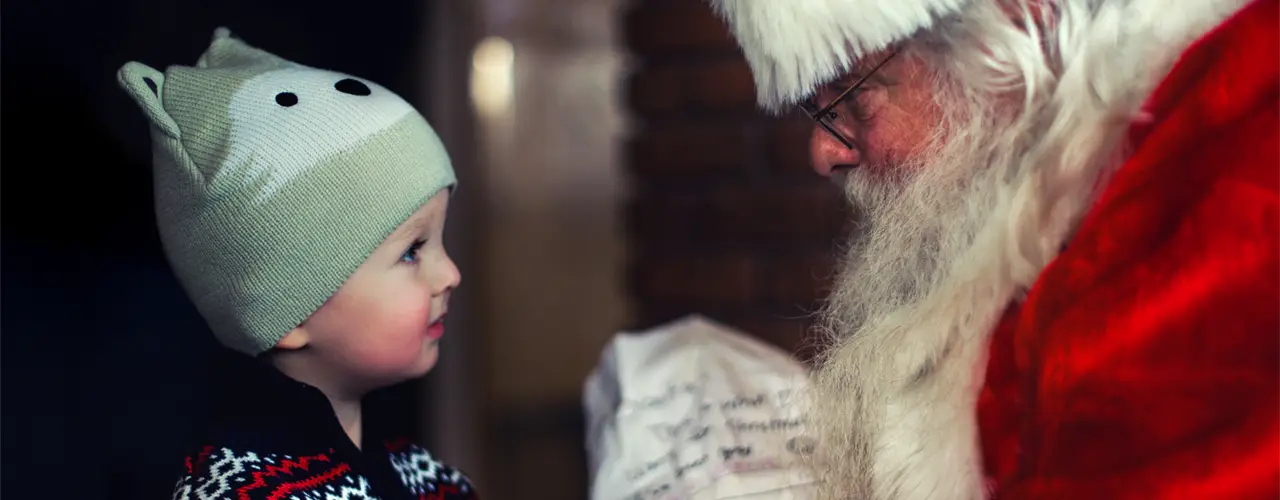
x: 614, y: 176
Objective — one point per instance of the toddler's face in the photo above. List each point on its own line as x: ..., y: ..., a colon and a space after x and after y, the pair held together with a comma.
x: 383, y: 325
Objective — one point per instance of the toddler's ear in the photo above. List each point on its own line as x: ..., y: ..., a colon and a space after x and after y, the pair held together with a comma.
x: 296, y: 339
x: 145, y: 85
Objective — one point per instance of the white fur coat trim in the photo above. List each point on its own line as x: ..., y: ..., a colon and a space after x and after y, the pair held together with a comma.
x: 793, y: 46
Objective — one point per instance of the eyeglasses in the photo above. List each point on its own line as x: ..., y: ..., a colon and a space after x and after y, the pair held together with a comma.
x: 826, y: 115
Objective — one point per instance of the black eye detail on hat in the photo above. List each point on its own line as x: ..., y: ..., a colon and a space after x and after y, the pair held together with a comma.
x: 353, y: 87
x: 151, y: 84
x: 286, y: 99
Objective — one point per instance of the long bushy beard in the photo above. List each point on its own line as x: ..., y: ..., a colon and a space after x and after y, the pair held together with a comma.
x: 910, y: 228
x: 918, y: 220
x: 918, y: 216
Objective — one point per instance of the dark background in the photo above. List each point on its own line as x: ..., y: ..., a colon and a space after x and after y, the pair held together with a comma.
x: 103, y: 356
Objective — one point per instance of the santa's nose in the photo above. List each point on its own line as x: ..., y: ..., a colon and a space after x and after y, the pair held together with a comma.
x: 828, y: 154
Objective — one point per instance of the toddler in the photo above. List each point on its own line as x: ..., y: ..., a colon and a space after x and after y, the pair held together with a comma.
x: 302, y: 211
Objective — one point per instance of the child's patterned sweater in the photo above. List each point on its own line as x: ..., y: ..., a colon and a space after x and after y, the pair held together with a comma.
x: 271, y: 437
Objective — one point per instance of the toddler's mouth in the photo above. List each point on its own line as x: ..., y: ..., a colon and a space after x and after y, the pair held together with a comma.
x: 435, y: 329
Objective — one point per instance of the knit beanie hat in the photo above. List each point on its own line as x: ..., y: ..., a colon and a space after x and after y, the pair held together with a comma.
x: 274, y: 181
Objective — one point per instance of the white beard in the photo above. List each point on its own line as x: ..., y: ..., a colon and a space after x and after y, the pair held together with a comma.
x: 943, y: 250
x: 907, y: 340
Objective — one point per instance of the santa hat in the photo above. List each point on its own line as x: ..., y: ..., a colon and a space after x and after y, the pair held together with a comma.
x: 793, y: 46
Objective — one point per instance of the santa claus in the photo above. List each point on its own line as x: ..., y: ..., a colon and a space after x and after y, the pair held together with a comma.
x: 1066, y: 279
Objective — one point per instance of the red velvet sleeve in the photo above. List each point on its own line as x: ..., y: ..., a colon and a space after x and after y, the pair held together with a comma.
x: 1148, y: 354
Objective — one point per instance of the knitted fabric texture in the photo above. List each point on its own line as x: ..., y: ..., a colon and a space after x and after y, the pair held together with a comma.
x: 274, y: 181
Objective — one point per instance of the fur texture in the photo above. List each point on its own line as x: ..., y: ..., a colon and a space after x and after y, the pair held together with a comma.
x: 793, y: 46
x: 1142, y: 363
x: 910, y: 320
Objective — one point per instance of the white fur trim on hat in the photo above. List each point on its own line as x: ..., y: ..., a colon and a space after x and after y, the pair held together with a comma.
x: 793, y: 46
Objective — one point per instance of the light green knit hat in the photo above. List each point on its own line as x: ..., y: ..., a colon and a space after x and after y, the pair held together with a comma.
x: 274, y: 181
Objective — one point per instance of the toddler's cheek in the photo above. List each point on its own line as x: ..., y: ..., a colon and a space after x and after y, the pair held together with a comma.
x: 403, y: 333
x: 408, y: 320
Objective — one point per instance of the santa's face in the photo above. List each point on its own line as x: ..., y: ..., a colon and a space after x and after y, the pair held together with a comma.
x: 916, y: 175
x: 888, y: 119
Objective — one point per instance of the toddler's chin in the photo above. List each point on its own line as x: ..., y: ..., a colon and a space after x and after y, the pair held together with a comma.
x: 389, y: 372
x: 426, y: 359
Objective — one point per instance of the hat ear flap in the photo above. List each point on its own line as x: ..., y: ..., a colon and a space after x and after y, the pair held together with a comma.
x: 145, y: 85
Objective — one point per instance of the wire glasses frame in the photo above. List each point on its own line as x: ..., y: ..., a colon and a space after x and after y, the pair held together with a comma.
x: 826, y: 115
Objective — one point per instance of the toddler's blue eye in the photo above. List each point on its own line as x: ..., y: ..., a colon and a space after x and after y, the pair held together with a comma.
x: 410, y: 256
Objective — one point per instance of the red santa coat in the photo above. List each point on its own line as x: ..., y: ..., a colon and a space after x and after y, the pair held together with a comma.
x: 1145, y: 361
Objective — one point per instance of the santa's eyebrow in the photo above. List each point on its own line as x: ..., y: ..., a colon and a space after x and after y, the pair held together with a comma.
x: 861, y: 80
x: 854, y: 71
x: 846, y: 79
x: 860, y: 72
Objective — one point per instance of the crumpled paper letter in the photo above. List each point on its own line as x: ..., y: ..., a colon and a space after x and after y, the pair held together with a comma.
x: 696, y: 410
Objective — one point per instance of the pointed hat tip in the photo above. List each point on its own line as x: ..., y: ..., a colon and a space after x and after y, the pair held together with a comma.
x: 222, y: 32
